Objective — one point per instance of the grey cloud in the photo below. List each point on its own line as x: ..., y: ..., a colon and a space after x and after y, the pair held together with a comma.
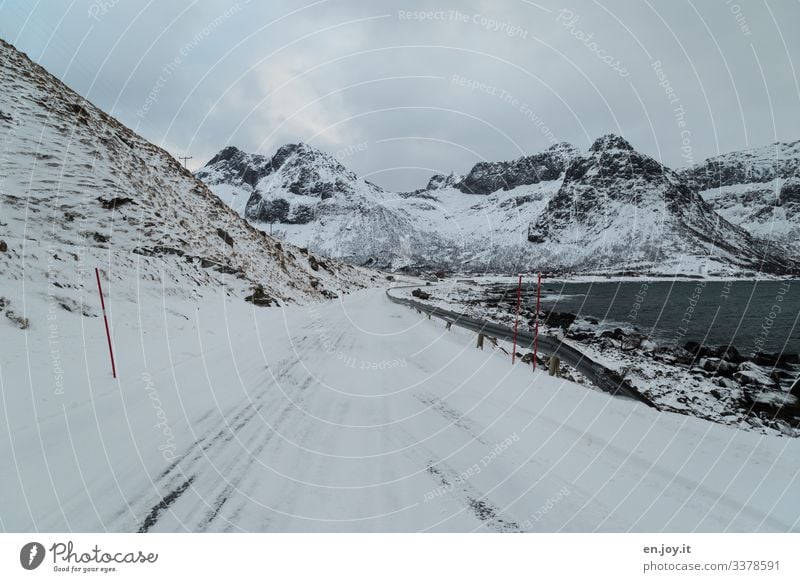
x: 427, y: 86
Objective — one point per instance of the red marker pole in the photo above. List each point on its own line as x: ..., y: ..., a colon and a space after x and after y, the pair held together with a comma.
x: 105, y: 319
x: 516, y: 319
x: 536, y: 331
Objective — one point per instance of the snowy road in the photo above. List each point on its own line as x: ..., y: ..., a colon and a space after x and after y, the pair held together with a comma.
x: 356, y: 415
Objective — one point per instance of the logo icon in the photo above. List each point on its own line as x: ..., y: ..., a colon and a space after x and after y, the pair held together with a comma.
x: 31, y: 555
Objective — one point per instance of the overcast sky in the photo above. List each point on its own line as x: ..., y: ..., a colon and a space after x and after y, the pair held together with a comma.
x: 402, y: 90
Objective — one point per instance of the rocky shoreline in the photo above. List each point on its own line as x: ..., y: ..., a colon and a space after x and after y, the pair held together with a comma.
x: 759, y: 392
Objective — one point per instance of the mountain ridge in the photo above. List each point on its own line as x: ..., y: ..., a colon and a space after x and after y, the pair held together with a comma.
x: 501, y: 211
x: 757, y: 189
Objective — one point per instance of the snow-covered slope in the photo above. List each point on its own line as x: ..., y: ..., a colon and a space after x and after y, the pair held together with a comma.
x: 334, y: 418
x: 610, y: 210
x: 79, y: 191
x: 620, y: 209
x: 757, y: 189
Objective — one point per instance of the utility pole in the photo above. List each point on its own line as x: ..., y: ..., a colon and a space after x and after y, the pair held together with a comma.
x: 516, y: 318
x: 185, y: 159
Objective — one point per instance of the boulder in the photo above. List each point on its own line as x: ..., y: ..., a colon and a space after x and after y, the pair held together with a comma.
x: 420, y: 294
x: 720, y: 366
x: 795, y: 391
x: 225, y: 236
x: 260, y: 298
x: 752, y: 375
x: 767, y: 359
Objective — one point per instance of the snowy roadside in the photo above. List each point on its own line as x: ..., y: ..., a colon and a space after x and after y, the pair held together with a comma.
x: 719, y: 385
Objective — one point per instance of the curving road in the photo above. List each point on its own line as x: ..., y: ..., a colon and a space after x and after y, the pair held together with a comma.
x: 602, y: 377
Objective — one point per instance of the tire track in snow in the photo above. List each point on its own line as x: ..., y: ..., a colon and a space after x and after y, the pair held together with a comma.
x: 211, y: 444
x: 466, y: 495
x: 473, y: 429
x: 242, y: 468
x: 161, y: 506
x: 452, y: 415
x: 256, y: 445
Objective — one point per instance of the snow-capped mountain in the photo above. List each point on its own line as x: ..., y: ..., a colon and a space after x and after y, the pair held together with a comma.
x: 285, y: 187
x: 757, y: 189
x: 610, y: 210
x: 314, y: 201
x: 619, y: 208
x: 80, y: 190
x: 318, y: 203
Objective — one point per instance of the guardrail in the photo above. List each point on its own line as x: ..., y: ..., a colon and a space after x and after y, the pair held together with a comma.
x: 607, y: 380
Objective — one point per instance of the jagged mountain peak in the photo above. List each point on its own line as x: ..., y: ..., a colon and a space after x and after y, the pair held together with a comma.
x: 610, y: 142
x: 440, y: 181
x: 305, y: 158
x: 232, y: 165
x: 286, y: 186
x: 565, y: 150
x: 226, y: 153
x: 612, y: 160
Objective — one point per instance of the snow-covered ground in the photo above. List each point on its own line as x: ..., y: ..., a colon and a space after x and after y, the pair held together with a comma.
x: 353, y: 415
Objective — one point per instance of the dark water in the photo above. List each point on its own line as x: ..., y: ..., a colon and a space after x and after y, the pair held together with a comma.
x: 751, y: 315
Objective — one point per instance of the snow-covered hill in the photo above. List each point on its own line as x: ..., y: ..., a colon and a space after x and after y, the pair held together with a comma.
x: 610, y: 210
x: 757, y: 189
x: 80, y: 191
